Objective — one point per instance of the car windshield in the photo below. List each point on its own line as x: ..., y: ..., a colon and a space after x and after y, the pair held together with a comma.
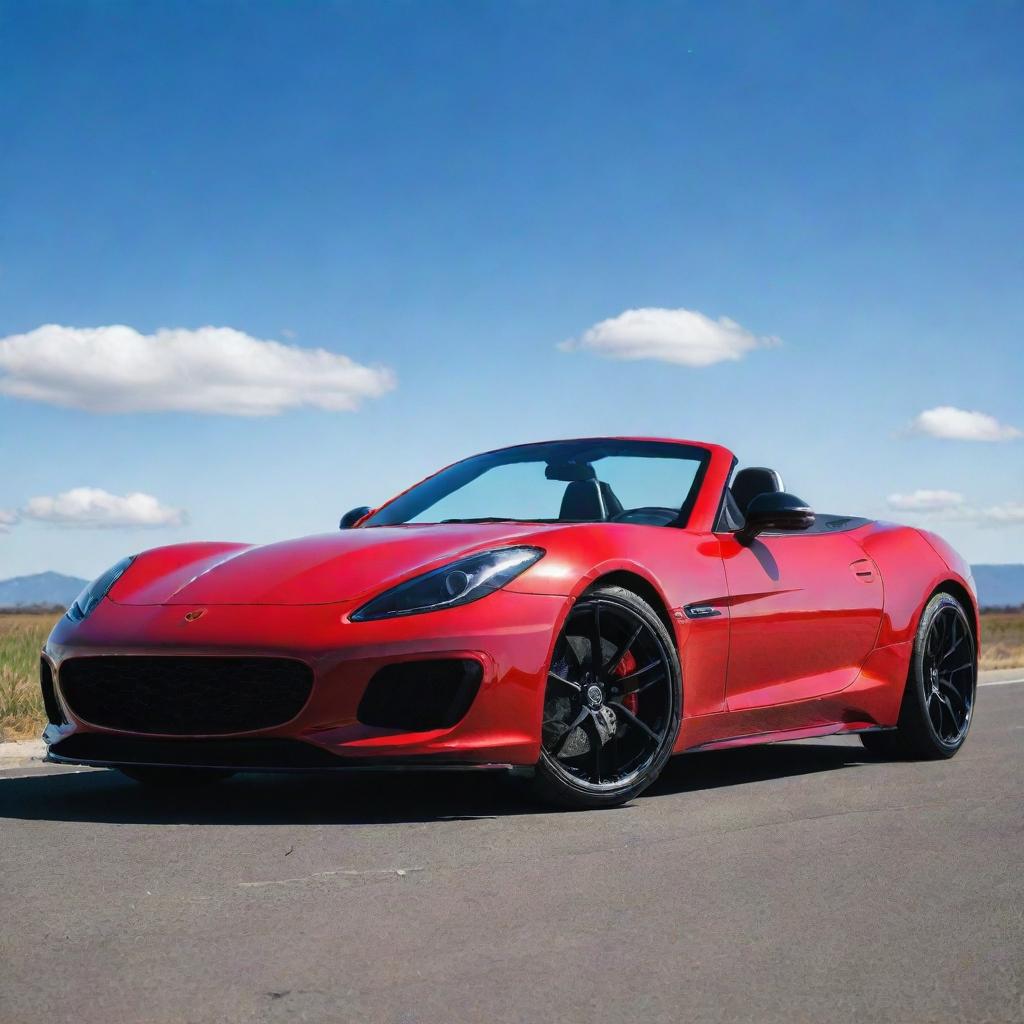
x: 652, y: 483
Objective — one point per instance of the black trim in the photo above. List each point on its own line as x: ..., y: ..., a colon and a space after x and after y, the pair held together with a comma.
x: 701, y: 611
x: 54, y: 712
x: 719, y: 527
x: 824, y: 522
x: 248, y: 755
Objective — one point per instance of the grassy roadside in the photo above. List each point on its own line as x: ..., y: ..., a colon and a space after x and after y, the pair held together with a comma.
x: 23, y: 634
x: 21, y: 637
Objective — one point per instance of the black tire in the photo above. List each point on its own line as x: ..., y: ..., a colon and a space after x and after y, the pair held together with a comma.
x: 884, y: 744
x: 938, y: 702
x: 175, y: 778
x: 579, y: 727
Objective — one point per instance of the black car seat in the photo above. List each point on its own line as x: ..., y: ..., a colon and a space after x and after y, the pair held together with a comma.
x: 749, y: 483
x: 581, y: 502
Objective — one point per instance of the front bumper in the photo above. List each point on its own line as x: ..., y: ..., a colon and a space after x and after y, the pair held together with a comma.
x: 509, y: 634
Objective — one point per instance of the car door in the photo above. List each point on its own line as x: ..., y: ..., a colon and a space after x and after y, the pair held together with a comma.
x: 805, y: 610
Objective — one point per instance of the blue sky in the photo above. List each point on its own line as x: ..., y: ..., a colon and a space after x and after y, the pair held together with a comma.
x: 446, y: 193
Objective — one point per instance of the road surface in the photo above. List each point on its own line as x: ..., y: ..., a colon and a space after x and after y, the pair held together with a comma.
x: 798, y: 882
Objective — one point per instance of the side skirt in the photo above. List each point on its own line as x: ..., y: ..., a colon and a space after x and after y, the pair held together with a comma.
x: 781, y: 735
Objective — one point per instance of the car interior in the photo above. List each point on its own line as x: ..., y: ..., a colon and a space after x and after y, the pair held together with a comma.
x: 592, y: 500
x: 746, y: 485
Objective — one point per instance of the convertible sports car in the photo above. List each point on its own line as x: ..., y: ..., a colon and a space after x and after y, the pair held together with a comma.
x: 577, y: 611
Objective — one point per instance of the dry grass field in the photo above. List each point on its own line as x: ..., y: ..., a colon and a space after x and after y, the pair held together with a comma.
x: 1002, y: 639
x: 22, y: 635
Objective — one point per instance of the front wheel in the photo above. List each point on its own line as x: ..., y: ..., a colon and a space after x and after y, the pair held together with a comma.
x: 938, y: 703
x: 612, y: 703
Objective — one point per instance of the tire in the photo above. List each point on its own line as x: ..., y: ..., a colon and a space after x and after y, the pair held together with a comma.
x: 881, y: 743
x: 175, y: 778
x: 609, y: 729
x: 938, y: 702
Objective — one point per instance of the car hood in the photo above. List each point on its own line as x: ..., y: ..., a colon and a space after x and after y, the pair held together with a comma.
x: 311, y: 570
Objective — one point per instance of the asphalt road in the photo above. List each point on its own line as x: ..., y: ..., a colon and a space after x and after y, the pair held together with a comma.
x: 800, y: 882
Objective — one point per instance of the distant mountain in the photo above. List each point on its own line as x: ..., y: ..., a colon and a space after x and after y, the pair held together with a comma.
x: 44, y: 588
x: 999, y: 586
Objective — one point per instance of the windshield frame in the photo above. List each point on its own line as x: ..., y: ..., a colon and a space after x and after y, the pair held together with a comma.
x: 682, y: 450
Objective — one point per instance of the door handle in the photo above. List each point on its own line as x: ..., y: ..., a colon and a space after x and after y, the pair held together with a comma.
x: 864, y: 570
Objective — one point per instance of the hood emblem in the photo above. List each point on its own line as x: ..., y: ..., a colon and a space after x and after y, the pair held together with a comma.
x: 197, y: 613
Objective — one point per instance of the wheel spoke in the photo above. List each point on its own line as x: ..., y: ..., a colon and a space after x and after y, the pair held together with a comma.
x: 624, y: 684
x: 956, y: 640
x: 576, y: 722
x: 944, y: 703
x: 947, y: 685
x: 621, y: 709
x: 949, y: 654
x: 564, y: 681
x: 594, y: 735
x: 596, y: 655
x: 616, y: 659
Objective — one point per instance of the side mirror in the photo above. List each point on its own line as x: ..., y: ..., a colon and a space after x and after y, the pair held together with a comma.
x: 350, y: 518
x: 775, y: 511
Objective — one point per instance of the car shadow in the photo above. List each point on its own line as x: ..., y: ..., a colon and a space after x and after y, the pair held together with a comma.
x: 108, y: 797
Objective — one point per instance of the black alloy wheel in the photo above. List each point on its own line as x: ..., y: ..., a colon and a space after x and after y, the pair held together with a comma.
x: 612, y: 703
x: 938, y: 703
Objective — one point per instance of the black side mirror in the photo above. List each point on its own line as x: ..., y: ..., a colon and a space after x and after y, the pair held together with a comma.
x: 352, y: 516
x: 775, y: 511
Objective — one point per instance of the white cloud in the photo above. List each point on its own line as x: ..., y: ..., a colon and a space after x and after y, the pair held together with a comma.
x: 1009, y: 514
x: 95, y: 508
x: 8, y: 517
x: 952, y: 507
x: 926, y: 501
x: 681, y: 336
x: 207, y: 370
x: 952, y: 424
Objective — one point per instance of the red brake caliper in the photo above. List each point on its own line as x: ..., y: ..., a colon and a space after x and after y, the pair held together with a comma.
x: 628, y: 664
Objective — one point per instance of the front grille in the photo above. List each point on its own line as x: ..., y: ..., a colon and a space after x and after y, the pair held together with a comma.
x: 417, y: 696
x: 185, y: 696
x: 54, y: 712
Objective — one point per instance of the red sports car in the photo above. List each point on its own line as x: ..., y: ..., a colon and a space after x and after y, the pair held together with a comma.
x: 577, y: 611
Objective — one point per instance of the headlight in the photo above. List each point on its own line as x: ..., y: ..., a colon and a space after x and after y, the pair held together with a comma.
x: 467, y: 580
x: 97, y: 590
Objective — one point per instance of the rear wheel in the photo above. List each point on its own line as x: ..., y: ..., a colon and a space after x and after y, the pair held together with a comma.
x: 612, y: 703
x: 938, y: 703
x: 175, y: 778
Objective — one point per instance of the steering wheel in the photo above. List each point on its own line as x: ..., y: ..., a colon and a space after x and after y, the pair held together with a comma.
x: 648, y: 515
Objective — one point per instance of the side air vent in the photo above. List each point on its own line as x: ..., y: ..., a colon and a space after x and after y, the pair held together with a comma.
x: 50, y: 703
x: 416, y: 696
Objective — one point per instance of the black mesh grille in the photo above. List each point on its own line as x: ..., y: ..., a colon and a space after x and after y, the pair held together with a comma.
x: 185, y: 696
x: 50, y: 702
x: 420, y: 695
